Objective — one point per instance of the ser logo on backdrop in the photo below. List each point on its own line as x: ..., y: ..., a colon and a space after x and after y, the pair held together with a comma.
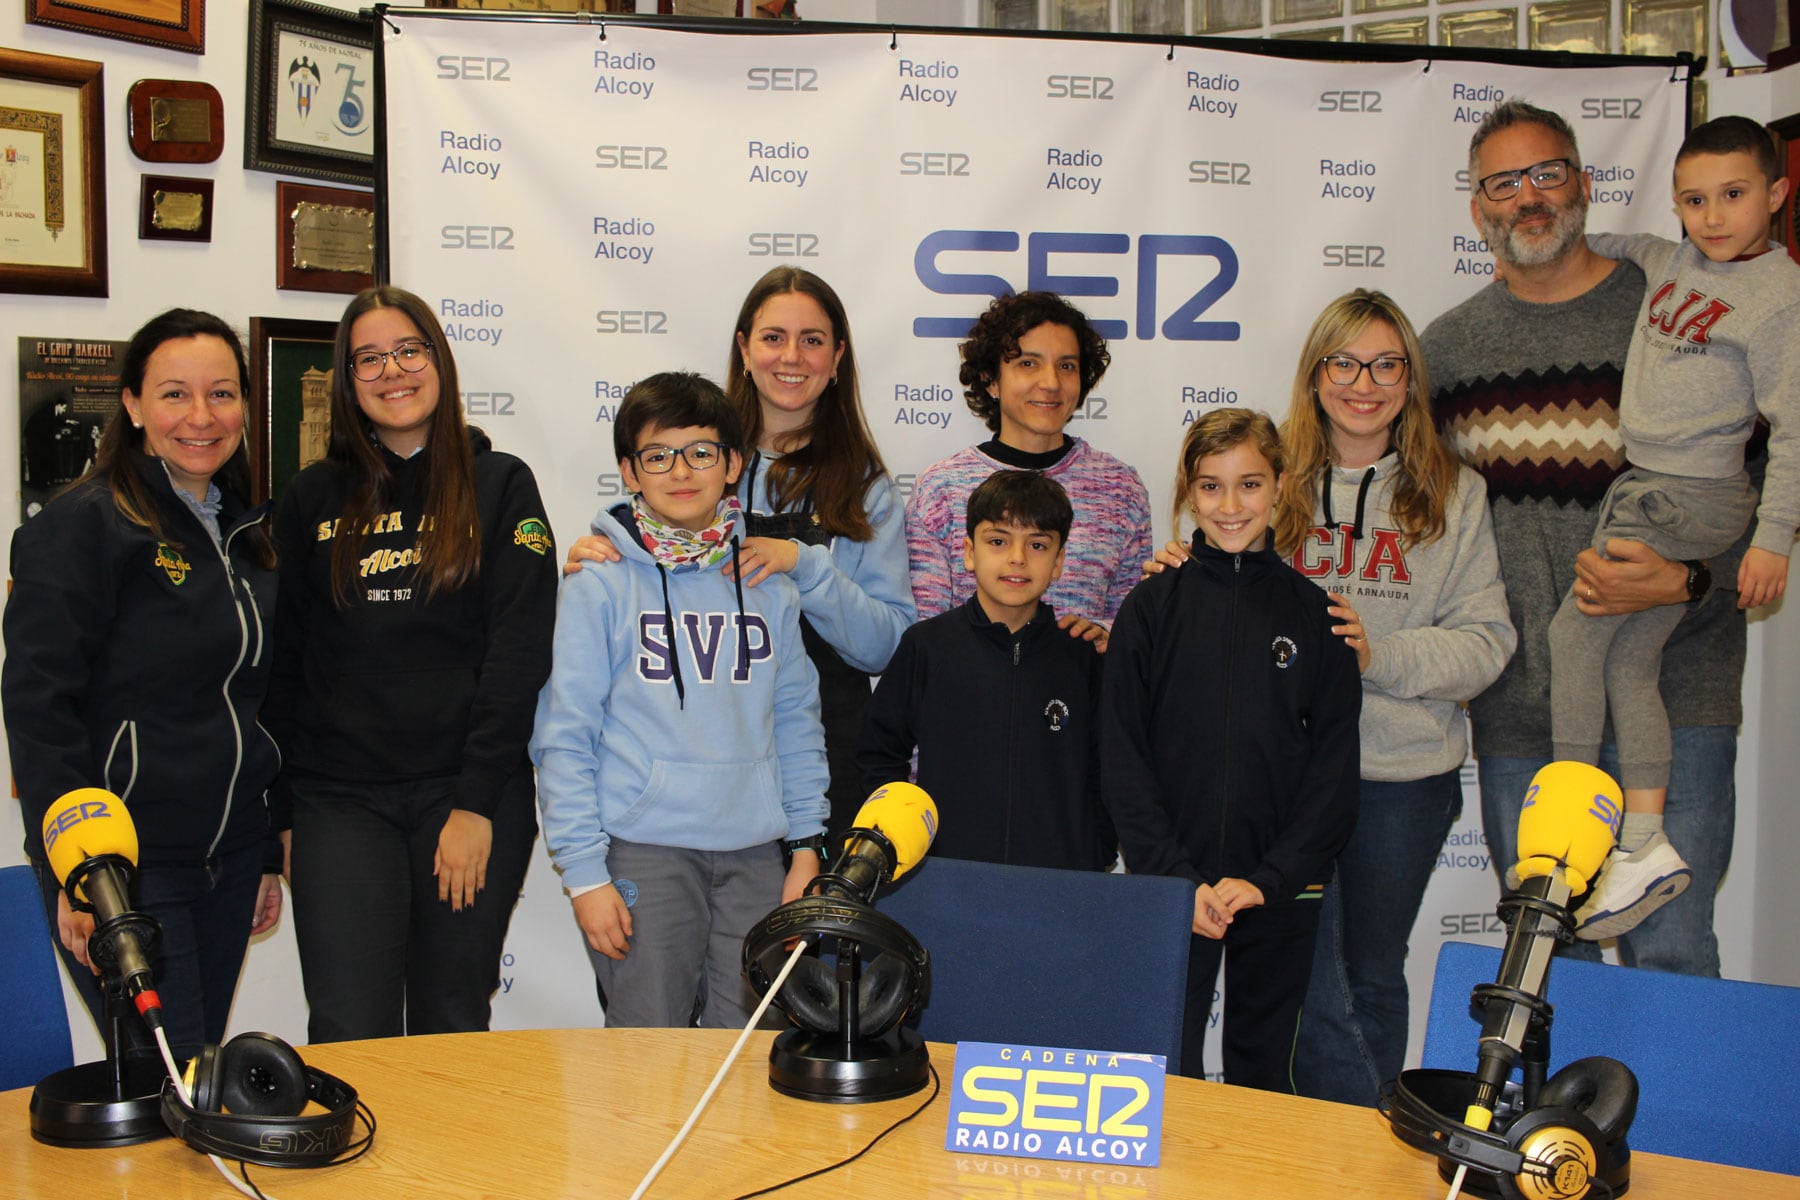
x: 1078, y: 87
x: 474, y: 69
x: 784, y: 245
x: 1211, y: 261
x: 488, y: 404
x: 950, y: 163
x: 476, y: 237
x: 1354, y: 256
x: 631, y: 158
x: 781, y: 79
x: 1612, y: 108
x: 1235, y: 174
x: 1346, y: 100
x: 631, y: 320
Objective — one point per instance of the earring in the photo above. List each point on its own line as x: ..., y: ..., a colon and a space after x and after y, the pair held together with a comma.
x: 834, y: 377
x: 137, y: 424
x: 746, y: 372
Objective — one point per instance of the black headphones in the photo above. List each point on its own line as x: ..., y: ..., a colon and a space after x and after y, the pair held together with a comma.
x: 896, y: 970
x: 1569, y: 1145
x: 247, y: 1099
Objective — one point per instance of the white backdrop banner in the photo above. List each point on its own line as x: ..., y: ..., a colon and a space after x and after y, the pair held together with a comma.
x: 587, y: 204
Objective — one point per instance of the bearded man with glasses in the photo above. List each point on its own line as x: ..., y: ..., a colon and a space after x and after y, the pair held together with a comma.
x: 1526, y: 377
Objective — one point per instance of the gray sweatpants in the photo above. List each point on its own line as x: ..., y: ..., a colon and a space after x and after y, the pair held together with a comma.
x: 1596, y: 661
x: 689, y: 916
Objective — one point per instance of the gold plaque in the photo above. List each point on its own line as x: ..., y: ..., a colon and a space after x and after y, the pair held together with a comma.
x: 181, y: 211
x: 177, y: 120
x: 333, y: 237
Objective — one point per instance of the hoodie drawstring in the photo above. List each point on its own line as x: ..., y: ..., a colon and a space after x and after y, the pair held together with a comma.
x: 737, y: 578
x: 1362, y: 496
x: 662, y: 573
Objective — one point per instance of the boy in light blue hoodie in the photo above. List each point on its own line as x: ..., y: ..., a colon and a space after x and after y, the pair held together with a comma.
x: 678, y: 743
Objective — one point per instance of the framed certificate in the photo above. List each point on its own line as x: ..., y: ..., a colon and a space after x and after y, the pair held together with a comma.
x: 52, y: 175
x: 310, y: 103
x: 177, y: 24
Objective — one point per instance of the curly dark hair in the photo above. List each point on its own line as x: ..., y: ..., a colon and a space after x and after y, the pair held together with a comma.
x: 994, y: 339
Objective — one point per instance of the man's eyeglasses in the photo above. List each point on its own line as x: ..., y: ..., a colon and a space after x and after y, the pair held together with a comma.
x: 1545, y: 177
x: 699, y: 456
x: 1344, y: 371
x: 370, y: 365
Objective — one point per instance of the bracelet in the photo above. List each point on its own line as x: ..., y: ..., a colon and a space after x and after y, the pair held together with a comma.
x: 815, y: 843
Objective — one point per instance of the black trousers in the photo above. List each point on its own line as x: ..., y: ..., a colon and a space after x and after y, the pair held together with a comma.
x: 380, y: 954
x: 1268, y: 961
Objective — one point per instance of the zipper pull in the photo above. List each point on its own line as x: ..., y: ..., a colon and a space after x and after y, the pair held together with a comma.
x: 1015, y: 652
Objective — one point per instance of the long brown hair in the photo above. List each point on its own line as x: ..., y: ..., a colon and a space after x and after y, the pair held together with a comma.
x: 839, y: 461
x: 1219, y: 432
x: 449, y: 540
x: 1427, y: 472
x: 121, y: 442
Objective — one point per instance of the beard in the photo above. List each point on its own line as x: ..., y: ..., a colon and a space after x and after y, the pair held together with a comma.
x: 1535, y: 249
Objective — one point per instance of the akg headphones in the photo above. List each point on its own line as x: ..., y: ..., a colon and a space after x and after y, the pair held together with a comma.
x: 1569, y: 1145
x: 896, y: 971
x: 247, y: 1099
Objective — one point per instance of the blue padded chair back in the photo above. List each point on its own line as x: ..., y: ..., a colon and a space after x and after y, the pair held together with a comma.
x: 1085, y: 959
x: 34, y: 1034
x: 1714, y: 1057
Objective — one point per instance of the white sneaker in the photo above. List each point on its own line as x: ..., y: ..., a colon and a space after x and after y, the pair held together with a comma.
x: 1630, y: 888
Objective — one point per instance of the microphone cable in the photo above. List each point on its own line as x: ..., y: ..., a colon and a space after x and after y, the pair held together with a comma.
x: 719, y: 1076
x: 187, y: 1098
x: 936, y: 1085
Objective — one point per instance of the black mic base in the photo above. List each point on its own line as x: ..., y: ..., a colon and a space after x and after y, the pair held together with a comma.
x: 83, y: 1107
x: 820, y: 1066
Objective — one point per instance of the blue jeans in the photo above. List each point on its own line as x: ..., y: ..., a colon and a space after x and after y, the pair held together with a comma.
x: 205, y: 912
x: 1700, y: 819
x: 1354, y: 1023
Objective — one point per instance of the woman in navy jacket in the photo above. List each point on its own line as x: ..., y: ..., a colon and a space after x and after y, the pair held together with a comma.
x: 136, y: 660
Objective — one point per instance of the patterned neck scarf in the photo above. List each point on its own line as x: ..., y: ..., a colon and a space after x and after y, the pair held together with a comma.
x: 677, y: 548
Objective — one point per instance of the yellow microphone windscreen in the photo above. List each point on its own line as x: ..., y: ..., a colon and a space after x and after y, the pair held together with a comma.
x: 84, y: 823
x: 1571, y: 816
x: 908, y: 817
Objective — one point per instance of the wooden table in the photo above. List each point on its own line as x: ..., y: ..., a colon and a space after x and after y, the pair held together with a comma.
x: 584, y: 1112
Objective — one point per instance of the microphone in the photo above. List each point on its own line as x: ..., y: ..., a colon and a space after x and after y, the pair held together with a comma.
x: 1566, y: 829
x: 894, y: 828
x: 93, y: 847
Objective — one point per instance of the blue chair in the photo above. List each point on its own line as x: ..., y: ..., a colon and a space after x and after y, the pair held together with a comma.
x: 1715, y: 1058
x: 34, y: 1034
x: 1084, y: 959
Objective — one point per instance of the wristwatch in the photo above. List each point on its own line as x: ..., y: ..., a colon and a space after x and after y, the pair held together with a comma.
x: 815, y: 843
x: 1699, y: 580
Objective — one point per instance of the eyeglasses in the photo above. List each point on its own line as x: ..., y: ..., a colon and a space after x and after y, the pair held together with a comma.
x: 370, y: 365
x: 699, y: 456
x: 1344, y: 371
x: 1546, y: 176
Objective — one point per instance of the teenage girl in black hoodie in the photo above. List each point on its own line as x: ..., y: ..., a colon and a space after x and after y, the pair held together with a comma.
x: 418, y: 593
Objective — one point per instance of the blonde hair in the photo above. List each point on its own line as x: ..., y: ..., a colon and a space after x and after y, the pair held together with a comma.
x: 1220, y: 432
x: 1427, y: 468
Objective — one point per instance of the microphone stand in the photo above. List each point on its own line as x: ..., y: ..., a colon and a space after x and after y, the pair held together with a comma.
x: 116, y: 1101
